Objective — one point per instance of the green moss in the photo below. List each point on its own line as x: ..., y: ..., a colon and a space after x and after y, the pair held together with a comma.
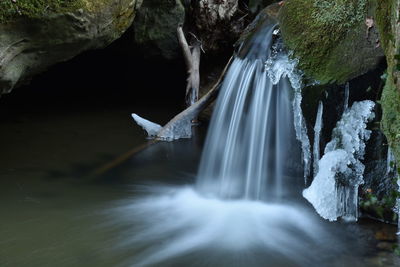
x: 390, y: 102
x: 313, y: 29
x: 380, y: 208
x: 10, y: 9
x: 383, y: 17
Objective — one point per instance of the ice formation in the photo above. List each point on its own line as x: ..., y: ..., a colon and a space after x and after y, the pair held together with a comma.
x: 176, y: 129
x: 317, y: 135
x: 346, y: 97
x: 391, y: 171
x: 151, y: 128
x: 280, y: 65
x: 334, y: 190
x: 398, y: 206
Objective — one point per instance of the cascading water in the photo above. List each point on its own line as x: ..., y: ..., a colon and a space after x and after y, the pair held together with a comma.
x: 240, y: 210
x: 250, y: 134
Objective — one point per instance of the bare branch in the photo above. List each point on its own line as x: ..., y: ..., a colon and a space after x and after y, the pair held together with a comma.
x: 185, y: 48
x: 186, y: 116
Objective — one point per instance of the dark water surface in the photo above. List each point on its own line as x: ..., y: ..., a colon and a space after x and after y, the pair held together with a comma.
x: 52, y: 214
x: 49, y: 209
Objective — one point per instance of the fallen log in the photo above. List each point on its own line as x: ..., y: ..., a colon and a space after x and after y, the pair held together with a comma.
x: 181, y: 125
x: 185, y: 117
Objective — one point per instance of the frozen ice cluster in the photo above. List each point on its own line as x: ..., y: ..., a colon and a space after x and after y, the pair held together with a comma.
x: 280, y: 65
x: 334, y: 190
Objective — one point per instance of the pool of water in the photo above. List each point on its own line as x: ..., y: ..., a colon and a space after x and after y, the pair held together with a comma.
x: 55, y: 213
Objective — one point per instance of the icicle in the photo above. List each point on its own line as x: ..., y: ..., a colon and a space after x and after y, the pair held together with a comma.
x: 346, y: 97
x: 151, y: 128
x: 334, y: 190
x: 301, y: 132
x: 398, y: 204
x: 277, y: 67
x: 317, y: 133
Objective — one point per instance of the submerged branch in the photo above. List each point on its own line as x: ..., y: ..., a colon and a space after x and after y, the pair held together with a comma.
x: 185, y: 116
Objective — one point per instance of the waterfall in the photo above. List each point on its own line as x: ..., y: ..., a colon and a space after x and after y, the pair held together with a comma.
x: 334, y: 190
x: 317, y: 133
x: 240, y: 202
x: 249, y: 136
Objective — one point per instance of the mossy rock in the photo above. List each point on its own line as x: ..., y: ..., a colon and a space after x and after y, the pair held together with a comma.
x: 387, y: 17
x: 155, y: 27
x: 36, y: 37
x: 330, y: 38
x: 10, y: 10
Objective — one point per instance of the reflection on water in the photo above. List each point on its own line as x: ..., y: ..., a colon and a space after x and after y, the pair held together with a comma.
x: 52, y: 216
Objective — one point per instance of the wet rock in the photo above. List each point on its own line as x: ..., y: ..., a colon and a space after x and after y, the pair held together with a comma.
x: 218, y: 24
x: 33, y: 40
x: 155, y: 27
x: 268, y: 15
x: 386, y: 234
x: 256, y: 5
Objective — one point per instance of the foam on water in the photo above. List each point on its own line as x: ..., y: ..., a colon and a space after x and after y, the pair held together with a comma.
x: 239, y: 205
x: 173, y: 222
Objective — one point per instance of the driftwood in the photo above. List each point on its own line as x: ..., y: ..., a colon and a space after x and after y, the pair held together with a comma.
x: 192, y: 59
x: 185, y: 118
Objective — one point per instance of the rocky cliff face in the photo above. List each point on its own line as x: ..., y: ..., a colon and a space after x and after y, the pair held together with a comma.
x: 155, y: 27
x: 34, y: 37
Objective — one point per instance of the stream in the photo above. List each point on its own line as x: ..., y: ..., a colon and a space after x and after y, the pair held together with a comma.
x: 52, y: 215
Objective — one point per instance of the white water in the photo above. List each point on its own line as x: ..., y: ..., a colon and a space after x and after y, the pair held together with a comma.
x: 249, y: 140
x: 317, y: 136
x: 334, y: 190
x: 177, y: 222
x: 241, y: 211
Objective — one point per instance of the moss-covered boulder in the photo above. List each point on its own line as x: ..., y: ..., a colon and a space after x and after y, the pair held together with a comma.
x: 35, y: 34
x: 388, y: 19
x: 155, y: 27
x: 335, y: 40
